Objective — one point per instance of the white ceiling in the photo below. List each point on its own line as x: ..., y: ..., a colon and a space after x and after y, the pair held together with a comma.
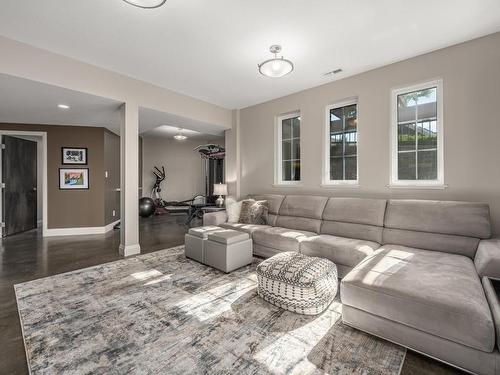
x: 150, y: 120
x: 25, y: 101
x: 166, y: 131
x: 28, y: 102
x: 210, y: 49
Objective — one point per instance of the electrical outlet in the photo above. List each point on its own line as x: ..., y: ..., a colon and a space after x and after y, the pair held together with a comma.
x: 114, y: 213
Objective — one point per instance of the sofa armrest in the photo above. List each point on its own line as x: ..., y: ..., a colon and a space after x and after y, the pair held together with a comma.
x: 214, y: 218
x: 487, y: 259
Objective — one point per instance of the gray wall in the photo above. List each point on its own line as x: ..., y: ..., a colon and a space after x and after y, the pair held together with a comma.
x: 183, y: 166
x: 471, y: 90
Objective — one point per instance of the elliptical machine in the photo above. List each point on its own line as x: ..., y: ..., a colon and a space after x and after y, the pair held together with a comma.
x: 156, y: 190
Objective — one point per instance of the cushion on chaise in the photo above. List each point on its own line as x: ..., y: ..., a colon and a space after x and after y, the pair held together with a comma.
x: 434, y: 292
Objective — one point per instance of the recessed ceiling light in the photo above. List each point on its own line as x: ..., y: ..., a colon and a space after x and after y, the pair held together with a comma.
x: 179, y: 136
x: 63, y: 106
x: 146, y: 4
x: 277, y: 66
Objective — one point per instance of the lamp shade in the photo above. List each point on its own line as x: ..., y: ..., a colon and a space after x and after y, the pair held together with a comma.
x: 220, y: 189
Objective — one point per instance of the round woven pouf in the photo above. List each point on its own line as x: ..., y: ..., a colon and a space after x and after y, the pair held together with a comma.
x: 298, y: 283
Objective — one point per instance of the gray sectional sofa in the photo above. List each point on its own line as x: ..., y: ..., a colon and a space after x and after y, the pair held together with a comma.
x: 413, y: 272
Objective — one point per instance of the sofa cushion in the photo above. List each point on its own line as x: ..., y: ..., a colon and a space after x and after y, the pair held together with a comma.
x: 434, y: 292
x: 487, y: 259
x: 308, y: 206
x: 356, y: 210
x: 340, y: 250
x: 248, y: 228
x: 254, y: 212
x: 282, y: 239
x: 298, y: 223
x: 354, y: 218
x: 351, y: 230
x: 445, y: 217
x: 274, y: 201
x: 446, y: 243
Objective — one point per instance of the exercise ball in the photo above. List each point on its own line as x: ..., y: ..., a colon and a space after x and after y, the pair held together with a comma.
x: 146, y: 207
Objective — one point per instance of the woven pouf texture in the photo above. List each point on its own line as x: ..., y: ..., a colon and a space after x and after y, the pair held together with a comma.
x: 298, y: 283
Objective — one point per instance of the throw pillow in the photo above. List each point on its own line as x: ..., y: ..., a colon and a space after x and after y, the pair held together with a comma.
x: 254, y: 212
x: 233, y: 209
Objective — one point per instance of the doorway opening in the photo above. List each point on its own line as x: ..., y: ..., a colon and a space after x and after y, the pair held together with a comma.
x: 23, y: 165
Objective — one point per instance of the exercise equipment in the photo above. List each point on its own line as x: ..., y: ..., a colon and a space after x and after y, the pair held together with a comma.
x: 146, y: 207
x: 160, y: 177
x: 213, y: 157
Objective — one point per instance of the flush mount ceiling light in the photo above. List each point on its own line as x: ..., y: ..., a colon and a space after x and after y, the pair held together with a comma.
x: 276, y: 67
x: 179, y: 136
x: 146, y: 4
x: 63, y: 106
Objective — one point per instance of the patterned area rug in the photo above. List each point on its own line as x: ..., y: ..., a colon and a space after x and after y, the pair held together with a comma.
x: 160, y: 313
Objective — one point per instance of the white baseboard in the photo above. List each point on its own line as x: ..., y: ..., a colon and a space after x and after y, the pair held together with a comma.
x: 110, y: 226
x: 54, y: 232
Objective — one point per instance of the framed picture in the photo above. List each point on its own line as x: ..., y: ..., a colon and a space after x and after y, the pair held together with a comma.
x: 73, y: 179
x: 74, y: 155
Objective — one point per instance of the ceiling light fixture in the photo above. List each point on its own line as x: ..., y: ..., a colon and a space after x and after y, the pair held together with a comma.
x: 277, y: 66
x: 63, y: 106
x: 146, y: 4
x: 179, y: 136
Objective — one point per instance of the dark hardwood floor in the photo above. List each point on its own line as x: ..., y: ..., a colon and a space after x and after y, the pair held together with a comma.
x: 28, y: 256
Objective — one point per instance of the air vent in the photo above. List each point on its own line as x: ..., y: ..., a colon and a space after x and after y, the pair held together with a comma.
x: 331, y: 73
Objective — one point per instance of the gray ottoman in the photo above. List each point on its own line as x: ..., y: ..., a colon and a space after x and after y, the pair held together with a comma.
x: 298, y: 283
x: 194, y: 241
x: 228, y: 250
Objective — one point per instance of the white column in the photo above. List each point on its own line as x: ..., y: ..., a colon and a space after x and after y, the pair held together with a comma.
x: 232, y: 161
x: 129, y: 164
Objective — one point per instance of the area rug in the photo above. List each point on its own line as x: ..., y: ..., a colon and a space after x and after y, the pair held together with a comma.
x: 161, y: 313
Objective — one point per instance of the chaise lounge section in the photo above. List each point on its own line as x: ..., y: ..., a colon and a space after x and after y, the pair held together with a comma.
x: 411, y: 269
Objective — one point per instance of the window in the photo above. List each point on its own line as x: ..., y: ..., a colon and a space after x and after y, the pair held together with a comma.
x: 341, y: 159
x: 417, y: 151
x: 288, y: 150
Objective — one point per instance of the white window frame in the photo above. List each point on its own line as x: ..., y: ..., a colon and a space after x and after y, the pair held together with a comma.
x: 278, y: 160
x: 429, y: 184
x: 326, y: 181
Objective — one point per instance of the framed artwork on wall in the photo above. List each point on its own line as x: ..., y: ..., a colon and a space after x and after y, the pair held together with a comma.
x: 74, y: 155
x: 74, y: 179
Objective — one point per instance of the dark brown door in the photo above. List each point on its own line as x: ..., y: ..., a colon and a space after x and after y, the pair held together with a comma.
x: 19, y: 178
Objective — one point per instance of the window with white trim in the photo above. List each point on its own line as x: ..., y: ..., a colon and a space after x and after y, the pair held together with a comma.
x: 341, y: 158
x: 287, y: 169
x: 417, y: 135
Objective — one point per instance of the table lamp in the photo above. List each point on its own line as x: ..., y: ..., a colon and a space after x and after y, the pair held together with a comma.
x: 220, y: 190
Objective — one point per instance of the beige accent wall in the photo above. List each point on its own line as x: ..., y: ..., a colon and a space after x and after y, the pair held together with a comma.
x: 183, y: 166
x: 72, y: 208
x: 471, y: 92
